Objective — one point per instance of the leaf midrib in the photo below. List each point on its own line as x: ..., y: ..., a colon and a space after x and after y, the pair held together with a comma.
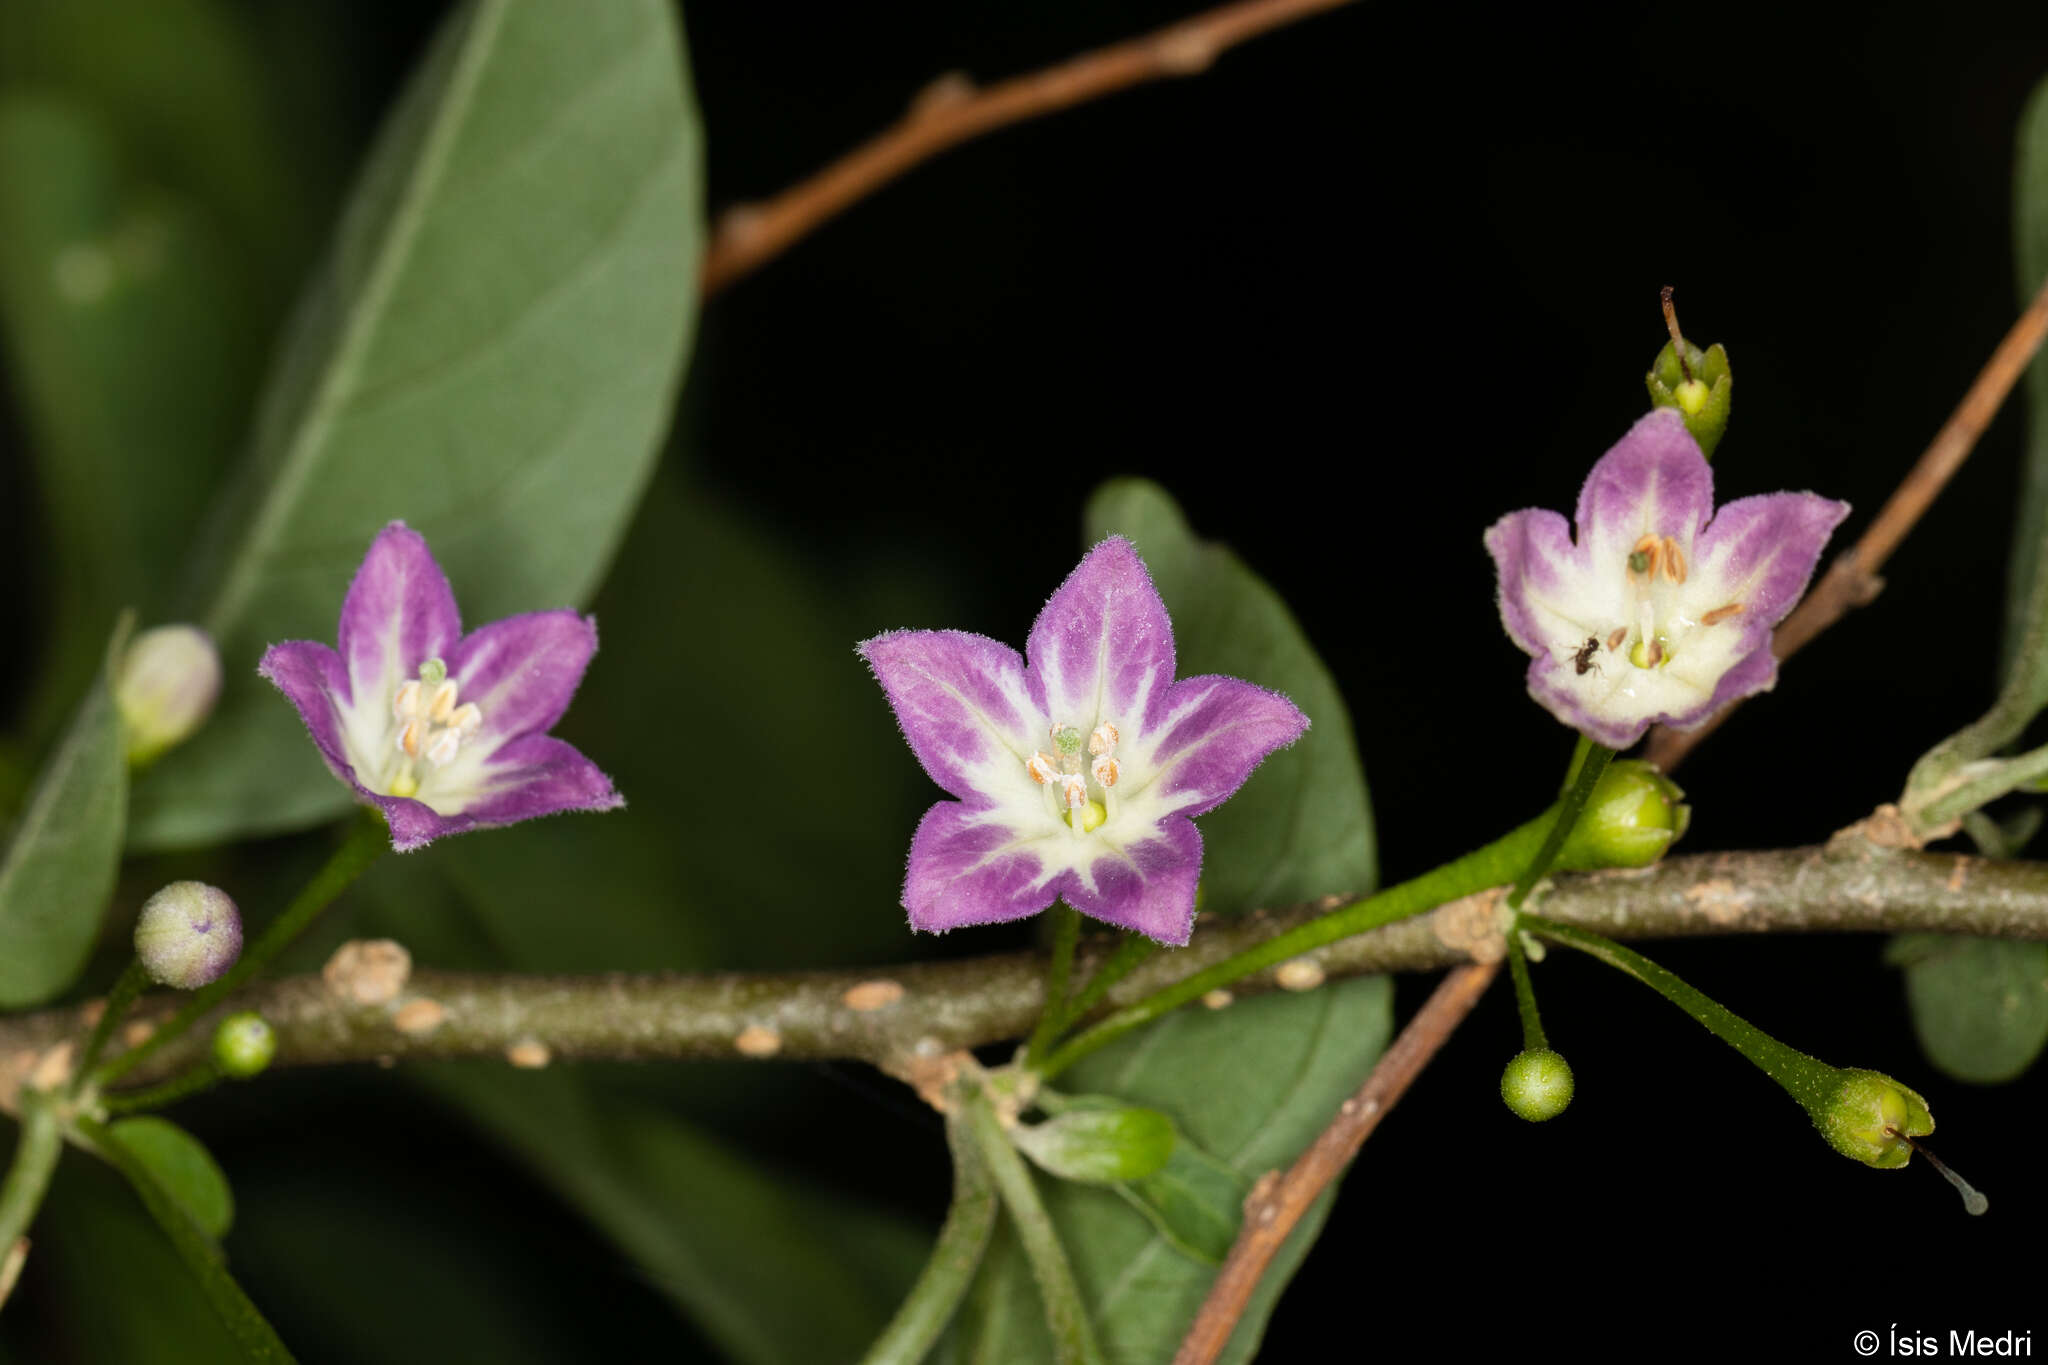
x: 365, y: 317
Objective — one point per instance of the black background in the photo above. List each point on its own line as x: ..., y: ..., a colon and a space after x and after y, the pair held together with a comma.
x: 1350, y: 295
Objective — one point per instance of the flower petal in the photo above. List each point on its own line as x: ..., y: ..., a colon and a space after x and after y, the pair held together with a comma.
x: 1548, y: 600
x: 312, y: 677
x: 1761, y: 552
x: 399, y: 613
x: 966, y: 868
x: 1102, y: 649
x: 522, y: 671
x: 1214, y: 731
x: 1653, y: 481
x: 1150, y: 889
x: 530, y: 776
x: 964, y: 706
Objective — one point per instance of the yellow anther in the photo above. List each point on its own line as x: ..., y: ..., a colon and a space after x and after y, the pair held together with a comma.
x: 1041, y: 767
x: 467, y: 719
x: 1614, y: 640
x: 409, y: 739
x: 1104, y: 770
x: 1103, y: 740
x: 1720, y: 614
x: 405, y: 703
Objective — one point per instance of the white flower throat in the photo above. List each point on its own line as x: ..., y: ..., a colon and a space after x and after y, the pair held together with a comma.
x: 1657, y: 570
x: 1083, y: 793
x: 431, y: 725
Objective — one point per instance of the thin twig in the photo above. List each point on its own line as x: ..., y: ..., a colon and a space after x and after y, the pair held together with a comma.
x: 1852, y: 581
x: 951, y: 111
x: 1278, y: 1201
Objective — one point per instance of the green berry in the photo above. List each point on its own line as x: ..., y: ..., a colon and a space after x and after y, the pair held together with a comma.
x: 1537, y: 1084
x: 244, y: 1044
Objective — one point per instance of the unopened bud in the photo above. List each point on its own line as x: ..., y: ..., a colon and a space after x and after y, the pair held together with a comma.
x: 165, y: 688
x: 1634, y: 814
x: 244, y: 1044
x: 1870, y: 1116
x: 1537, y: 1084
x: 188, y: 935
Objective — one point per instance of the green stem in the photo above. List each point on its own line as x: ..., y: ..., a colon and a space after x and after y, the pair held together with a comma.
x: 367, y: 838
x: 202, y: 1077
x: 35, y: 1159
x: 949, y: 1274
x: 1073, y: 1336
x: 1496, y: 864
x: 1807, y: 1079
x: 1133, y: 951
x: 1059, y: 971
x: 1589, y: 761
x: 126, y: 987
x: 1525, y: 991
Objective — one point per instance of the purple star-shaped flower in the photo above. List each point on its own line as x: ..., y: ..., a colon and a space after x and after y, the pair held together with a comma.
x: 1655, y: 614
x: 1077, y: 765
x: 444, y: 732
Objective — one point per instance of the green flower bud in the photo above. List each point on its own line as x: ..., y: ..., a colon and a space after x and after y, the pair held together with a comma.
x: 1634, y: 814
x: 1869, y: 1116
x: 1701, y: 390
x: 1537, y: 1084
x: 244, y: 1044
x: 188, y: 935
x: 1100, y: 1142
x: 165, y: 688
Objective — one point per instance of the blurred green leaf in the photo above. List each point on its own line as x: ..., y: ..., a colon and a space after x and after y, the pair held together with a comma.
x: 188, y: 90
x: 92, y: 1234
x: 1981, y: 1009
x: 775, y: 1274
x: 1979, y: 1005
x: 1302, y: 827
x: 1194, y: 1201
x: 1252, y: 1084
x: 183, y: 1167
x: 60, y: 866
x: 129, y: 344
x: 1099, y: 1144
x: 490, y: 353
x: 252, y: 1333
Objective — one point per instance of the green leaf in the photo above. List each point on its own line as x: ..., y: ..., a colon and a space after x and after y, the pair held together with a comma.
x: 1252, y: 1084
x: 1194, y: 1201
x: 127, y: 328
x: 1099, y: 1144
x: 772, y: 1273
x: 59, y: 869
x: 1302, y: 827
x: 252, y: 1333
x: 1980, y: 1006
x: 490, y: 353
x: 183, y: 1167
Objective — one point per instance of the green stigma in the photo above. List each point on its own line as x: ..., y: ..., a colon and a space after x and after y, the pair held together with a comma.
x: 1067, y: 739
x: 433, y: 673
x: 1639, y: 562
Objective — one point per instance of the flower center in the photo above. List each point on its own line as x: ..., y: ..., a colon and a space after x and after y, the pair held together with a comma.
x: 431, y: 725
x: 1657, y: 569
x: 1079, y: 775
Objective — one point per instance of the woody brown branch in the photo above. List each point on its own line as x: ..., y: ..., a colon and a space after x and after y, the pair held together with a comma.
x: 951, y: 111
x: 890, y: 1015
